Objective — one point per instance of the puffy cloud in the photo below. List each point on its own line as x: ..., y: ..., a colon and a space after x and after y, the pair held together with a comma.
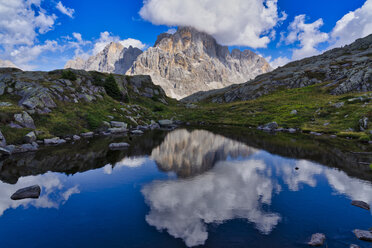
x: 240, y: 22
x: 65, y: 10
x: 308, y: 35
x: 356, y: 24
x: 131, y: 162
x: 229, y: 190
x: 279, y: 61
x: 106, y: 38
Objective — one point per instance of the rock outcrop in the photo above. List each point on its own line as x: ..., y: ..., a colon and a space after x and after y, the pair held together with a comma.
x: 189, y: 61
x: 343, y: 70
x: 114, y: 58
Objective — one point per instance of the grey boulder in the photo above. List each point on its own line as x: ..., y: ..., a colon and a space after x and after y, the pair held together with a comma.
x: 30, y: 137
x: 25, y: 120
x: 363, y: 235
x: 54, y: 141
x: 25, y: 193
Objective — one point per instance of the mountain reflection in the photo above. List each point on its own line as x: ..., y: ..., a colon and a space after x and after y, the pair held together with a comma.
x: 191, y: 153
x: 229, y: 189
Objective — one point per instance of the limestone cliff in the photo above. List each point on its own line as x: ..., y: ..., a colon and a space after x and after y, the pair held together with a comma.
x: 114, y: 58
x: 189, y: 61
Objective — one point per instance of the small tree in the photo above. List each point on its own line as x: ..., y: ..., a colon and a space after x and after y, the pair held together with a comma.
x: 112, y: 88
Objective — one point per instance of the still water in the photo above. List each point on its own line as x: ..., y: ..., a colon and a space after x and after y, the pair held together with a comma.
x: 182, y: 188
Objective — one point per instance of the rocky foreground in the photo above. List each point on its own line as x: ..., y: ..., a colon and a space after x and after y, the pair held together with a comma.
x: 53, y: 108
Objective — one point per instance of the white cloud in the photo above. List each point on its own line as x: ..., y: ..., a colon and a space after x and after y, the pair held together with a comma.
x: 240, y: 22
x: 279, y: 61
x: 308, y: 35
x: 229, y: 190
x: 64, y: 10
x: 106, y: 38
x: 356, y: 24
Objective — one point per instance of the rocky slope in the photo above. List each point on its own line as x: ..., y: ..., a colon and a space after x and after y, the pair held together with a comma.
x: 52, y: 107
x: 114, y: 58
x: 7, y: 64
x: 189, y: 61
x: 346, y: 69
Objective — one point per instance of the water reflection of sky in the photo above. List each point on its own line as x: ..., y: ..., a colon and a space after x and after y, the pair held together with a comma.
x: 231, y: 181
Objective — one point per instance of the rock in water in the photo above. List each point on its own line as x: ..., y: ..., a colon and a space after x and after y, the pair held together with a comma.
x: 29, y: 192
x: 118, y: 146
x: 361, y: 204
x: 189, y: 61
x: 317, y: 239
x: 363, y: 235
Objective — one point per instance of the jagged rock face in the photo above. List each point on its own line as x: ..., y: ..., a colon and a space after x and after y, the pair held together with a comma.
x: 189, y: 61
x: 7, y: 63
x: 115, y: 58
x: 192, y: 153
x: 346, y: 69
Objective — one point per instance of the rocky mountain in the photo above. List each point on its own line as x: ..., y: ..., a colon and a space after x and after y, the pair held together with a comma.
x: 342, y: 70
x: 114, y: 58
x: 7, y: 63
x: 189, y: 61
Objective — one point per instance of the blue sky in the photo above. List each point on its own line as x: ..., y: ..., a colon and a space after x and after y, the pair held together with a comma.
x: 44, y: 34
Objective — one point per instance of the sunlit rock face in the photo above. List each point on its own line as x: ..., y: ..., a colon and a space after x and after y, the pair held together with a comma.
x: 230, y: 190
x: 189, y: 61
x: 191, y: 153
x: 115, y: 58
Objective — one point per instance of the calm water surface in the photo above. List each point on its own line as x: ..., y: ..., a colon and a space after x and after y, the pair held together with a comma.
x: 182, y: 188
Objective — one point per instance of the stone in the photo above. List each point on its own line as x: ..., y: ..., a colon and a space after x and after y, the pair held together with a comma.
x: 317, y: 239
x: 361, y: 204
x: 363, y: 124
x: 272, y: 126
x: 165, y: 123
x: 25, y: 120
x: 363, y: 235
x: 118, y: 124
x: 2, y: 140
x: 138, y: 132
x: 5, y: 104
x: 32, y: 192
x: 105, y: 126
x: 294, y: 112
x: 87, y: 135
x: 291, y: 130
x: 76, y: 137
x: 30, y: 137
x: 4, y: 151
x: 54, y: 141
x: 338, y: 104
x: 26, y: 148
x: 118, y: 146
x: 116, y: 130
x: 154, y: 126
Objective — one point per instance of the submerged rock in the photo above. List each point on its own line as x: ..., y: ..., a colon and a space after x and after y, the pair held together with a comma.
x: 361, y: 204
x: 118, y: 146
x: 363, y: 235
x: 317, y: 239
x: 29, y: 192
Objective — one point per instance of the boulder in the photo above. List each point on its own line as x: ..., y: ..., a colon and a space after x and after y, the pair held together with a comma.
x: 4, y: 151
x: 76, y: 137
x: 25, y: 148
x: 25, y: 120
x: 361, y: 204
x: 30, y: 137
x: 294, y: 112
x: 317, y: 239
x: 269, y: 126
x: 138, y: 132
x: 363, y: 124
x: 118, y: 146
x: 118, y: 124
x: 2, y: 140
x: 116, y: 130
x: 165, y: 123
x: 87, y: 135
x: 363, y: 235
x: 54, y: 141
x: 25, y: 193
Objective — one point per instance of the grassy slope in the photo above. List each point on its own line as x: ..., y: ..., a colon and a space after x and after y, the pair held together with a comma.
x: 313, y: 103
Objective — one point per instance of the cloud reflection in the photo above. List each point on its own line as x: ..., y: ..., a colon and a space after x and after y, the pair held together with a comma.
x: 230, y: 190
